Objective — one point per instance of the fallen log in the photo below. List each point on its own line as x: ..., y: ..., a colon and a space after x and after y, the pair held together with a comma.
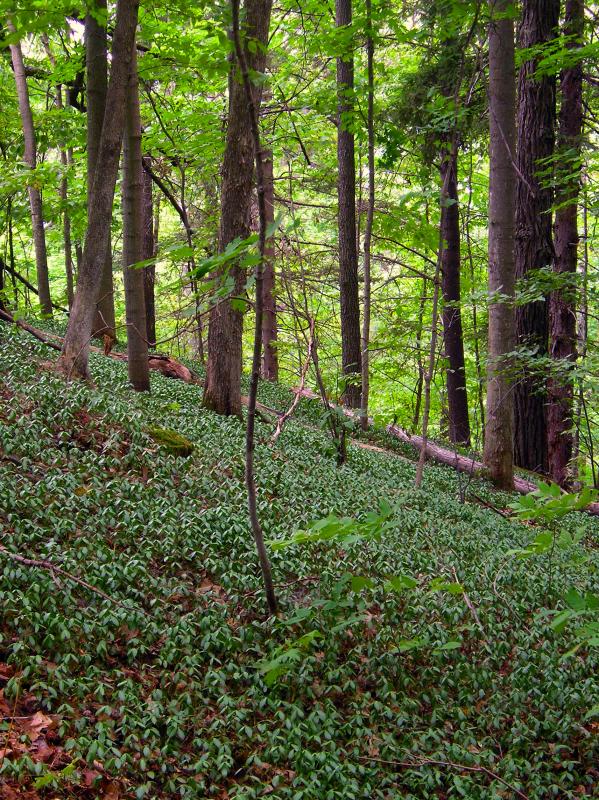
x: 166, y: 365
x: 465, y: 464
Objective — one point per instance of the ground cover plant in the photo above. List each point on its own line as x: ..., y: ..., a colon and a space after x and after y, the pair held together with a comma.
x: 413, y: 655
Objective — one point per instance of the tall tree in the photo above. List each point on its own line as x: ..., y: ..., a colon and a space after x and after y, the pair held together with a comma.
x: 534, y: 248
x: 346, y: 193
x: 562, y: 307
x: 133, y: 239
x: 270, y: 358
x: 96, y: 61
x: 74, y: 358
x: 222, y: 392
x: 30, y: 158
x: 498, y: 449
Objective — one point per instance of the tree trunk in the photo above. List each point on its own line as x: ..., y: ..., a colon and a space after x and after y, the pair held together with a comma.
x: 498, y: 450
x: 149, y: 251
x: 457, y: 397
x: 30, y: 158
x: 270, y: 359
x: 134, y: 239
x: 96, y: 59
x: 346, y: 190
x: 74, y: 358
x: 534, y: 249
x: 562, y: 306
x: 222, y: 391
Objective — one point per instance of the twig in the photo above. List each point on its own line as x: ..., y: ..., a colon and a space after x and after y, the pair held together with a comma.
x: 470, y: 605
x: 283, y: 419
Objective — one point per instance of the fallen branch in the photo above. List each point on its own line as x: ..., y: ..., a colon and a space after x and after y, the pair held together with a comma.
x: 466, y: 464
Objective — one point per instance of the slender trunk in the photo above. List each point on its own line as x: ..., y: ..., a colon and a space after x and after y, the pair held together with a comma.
x: 134, y: 239
x: 96, y: 58
x: 533, y: 245
x: 475, y: 332
x: 457, y: 397
x: 499, y: 440
x: 270, y: 359
x: 562, y: 306
x: 346, y: 191
x: 222, y: 392
x: 74, y: 358
x: 369, y: 222
x: 148, y: 252
x: 420, y: 381
x: 35, y: 195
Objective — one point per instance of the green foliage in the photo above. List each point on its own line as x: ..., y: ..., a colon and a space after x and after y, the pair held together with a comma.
x: 171, y: 441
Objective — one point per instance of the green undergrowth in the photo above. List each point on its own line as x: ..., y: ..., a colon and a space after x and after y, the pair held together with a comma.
x: 159, y: 689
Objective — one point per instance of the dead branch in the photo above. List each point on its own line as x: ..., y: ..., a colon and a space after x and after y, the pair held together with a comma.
x: 298, y: 394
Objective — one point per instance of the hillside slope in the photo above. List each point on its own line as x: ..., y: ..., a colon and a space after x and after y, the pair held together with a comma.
x: 158, y: 690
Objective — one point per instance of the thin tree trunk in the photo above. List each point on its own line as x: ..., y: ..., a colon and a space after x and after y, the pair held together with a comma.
x: 74, y: 358
x: 562, y: 306
x: 498, y: 450
x: 533, y: 248
x: 457, y: 397
x: 30, y: 158
x: 346, y: 191
x: 270, y: 359
x: 134, y: 239
x: 369, y: 222
x: 96, y: 58
x: 222, y: 392
x: 148, y: 252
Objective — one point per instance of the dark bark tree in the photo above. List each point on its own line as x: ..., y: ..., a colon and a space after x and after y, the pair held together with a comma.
x: 96, y: 60
x: 534, y: 248
x: 270, y: 359
x: 74, y: 358
x: 148, y: 252
x: 562, y: 306
x: 222, y: 392
x: 133, y: 239
x: 30, y: 158
x: 498, y: 449
x: 346, y: 191
x: 453, y: 340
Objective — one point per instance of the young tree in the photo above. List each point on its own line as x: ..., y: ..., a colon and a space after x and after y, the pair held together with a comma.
x: 222, y: 392
x: 30, y: 158
x: 562, y: 307
x: 270, y: 359
x: 133, y: 239
x: 534, y: 248
x: 498, y: 449
x: 74, y: 358
x: 149, y: 252
x: 346, y: 194
x: 96, y: 61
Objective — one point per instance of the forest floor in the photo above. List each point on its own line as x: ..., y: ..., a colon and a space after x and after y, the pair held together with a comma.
x: 416, y: 663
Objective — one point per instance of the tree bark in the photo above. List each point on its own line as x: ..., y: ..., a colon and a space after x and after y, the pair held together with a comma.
x: 96, y: 59
x: 562, y: 305
x: 270, y: 359
x: 457, y: 397
x: 222, y: 392
x: 149, y: 251
x: 134, y: 239
x: 346, y: 190
x: 74, y: 358
x: 534, y: 248
x: 35, y: 195
x: 498, y: 449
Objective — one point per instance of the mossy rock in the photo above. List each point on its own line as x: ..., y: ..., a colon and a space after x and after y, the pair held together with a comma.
x: 172, y: 441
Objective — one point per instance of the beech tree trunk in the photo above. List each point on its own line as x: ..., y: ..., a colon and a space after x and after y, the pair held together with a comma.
x: 133, y: 239
x: 74, y: 358
x: 96, y: 60
x: 457, y: 397
x: 562, y: 306
x: 222, y: 392
x: 498, y: 449
x: 35, y: 195
x: 346, y: 190
x: 270, y: 360
x: 534, y: 248
x: 149, y: 251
